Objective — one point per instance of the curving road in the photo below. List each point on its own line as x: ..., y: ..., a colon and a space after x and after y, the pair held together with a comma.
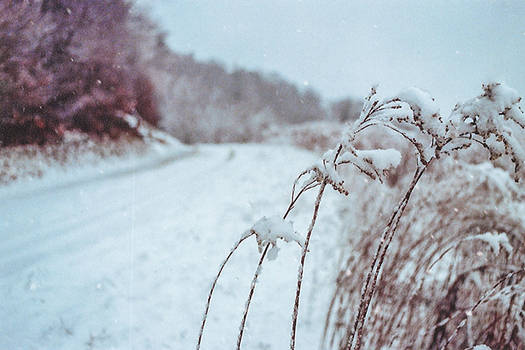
x: 124, y: 261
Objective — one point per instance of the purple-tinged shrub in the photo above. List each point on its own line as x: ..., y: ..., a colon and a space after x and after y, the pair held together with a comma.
x: 68, y: 64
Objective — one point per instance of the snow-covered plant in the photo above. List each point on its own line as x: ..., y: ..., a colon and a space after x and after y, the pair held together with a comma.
x: 267, y: 231
x: 461, y: 232
x: 70, y: 65
x: 491, y: 120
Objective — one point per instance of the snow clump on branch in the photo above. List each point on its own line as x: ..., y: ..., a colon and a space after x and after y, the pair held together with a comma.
x: 268, y: 229
x: 492, y: 119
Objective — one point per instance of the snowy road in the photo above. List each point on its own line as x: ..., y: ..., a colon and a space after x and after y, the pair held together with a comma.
x: 125, y: 262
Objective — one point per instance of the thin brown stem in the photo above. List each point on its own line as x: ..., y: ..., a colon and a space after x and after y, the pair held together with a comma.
x: 305, y: 188
x: 250, y: 296
x: 210, y: 294
x: 301, y: 265
x: 296, y: 181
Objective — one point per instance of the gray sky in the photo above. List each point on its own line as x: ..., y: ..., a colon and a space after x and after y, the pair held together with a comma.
x: 342, y: 47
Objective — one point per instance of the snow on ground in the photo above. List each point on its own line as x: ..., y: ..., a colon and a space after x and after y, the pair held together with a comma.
x: 125, y: 261
x: 80, y: 158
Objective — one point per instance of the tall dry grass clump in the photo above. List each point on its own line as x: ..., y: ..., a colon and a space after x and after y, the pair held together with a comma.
x: 492, y: 121
x: 454, y: 245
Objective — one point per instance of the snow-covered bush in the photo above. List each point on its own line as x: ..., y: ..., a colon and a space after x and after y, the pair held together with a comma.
x: 67, y: 64
x: 493, y: 121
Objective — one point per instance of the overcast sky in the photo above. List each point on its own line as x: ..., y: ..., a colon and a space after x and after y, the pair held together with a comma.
x: 343, y: 47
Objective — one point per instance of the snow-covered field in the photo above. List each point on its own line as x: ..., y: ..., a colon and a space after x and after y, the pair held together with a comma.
x: 125, y: 261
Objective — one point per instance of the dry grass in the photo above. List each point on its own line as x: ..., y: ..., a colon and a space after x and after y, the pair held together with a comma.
x: 433, y: 275
x: 437, y: 285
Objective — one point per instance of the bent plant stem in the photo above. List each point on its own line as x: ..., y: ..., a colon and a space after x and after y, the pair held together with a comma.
x: 304, y: 189
x: 250, y: 296
x: 377, y: 263
x: 204, y: 318
x: 301, y: 265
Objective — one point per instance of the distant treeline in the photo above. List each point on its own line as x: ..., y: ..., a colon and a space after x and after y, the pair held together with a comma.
x: 85, y: 65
